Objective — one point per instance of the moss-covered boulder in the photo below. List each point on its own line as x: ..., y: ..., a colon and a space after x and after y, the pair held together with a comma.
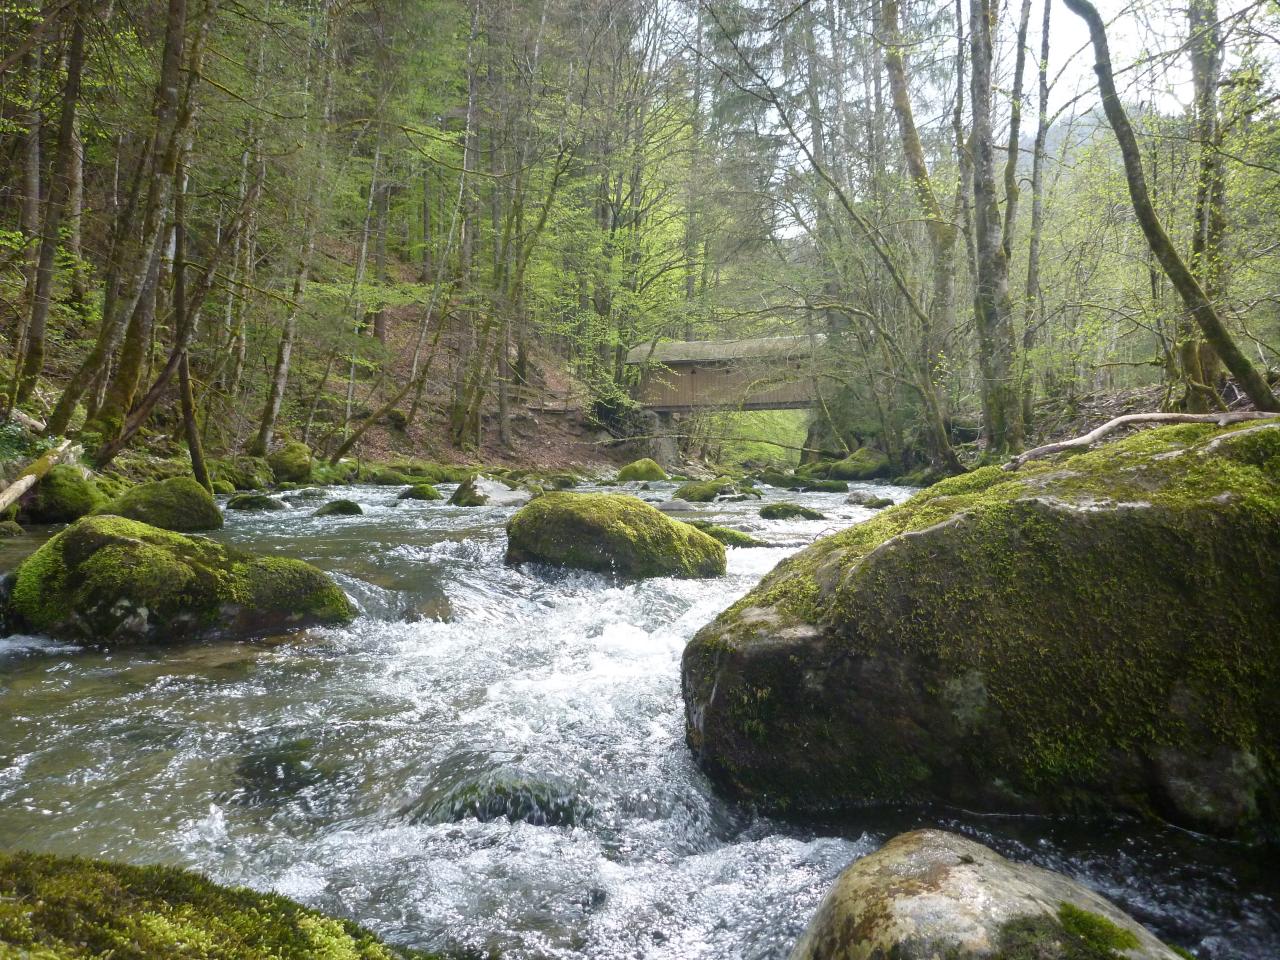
x: 109, y: 580
x: 62, y: 495
x: 929, y: 895
x: 243, y: 473
x: 814, y: 485
x: 224, y: 487
x: 610, y: 533
x: 386, y: 477
x: 176, y: 504
x: 726, y: 535
x: 789, y: 511
x: 10, y: 528
x: 865, y: 463
x: 704, y: 491
x: 646, y: 469
x: 1095, y: 633
x: 67, y: 908
x: 255, y: 503
x: 420, y: 491
x: 340, y: 508
x: 468, y: 494
x: 291, y: 462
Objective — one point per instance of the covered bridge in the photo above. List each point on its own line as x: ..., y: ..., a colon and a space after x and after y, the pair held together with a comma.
x: 761, y: 373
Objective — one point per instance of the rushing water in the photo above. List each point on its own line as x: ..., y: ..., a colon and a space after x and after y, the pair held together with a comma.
x: 493, y: 758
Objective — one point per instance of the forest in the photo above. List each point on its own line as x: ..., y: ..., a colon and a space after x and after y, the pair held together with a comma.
x: 306, y: 219
x: 662, y: 479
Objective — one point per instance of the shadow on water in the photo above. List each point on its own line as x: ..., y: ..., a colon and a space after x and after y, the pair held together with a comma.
x: 493, y: 758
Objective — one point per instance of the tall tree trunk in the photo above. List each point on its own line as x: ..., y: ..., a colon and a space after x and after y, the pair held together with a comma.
x: 319, y: 119
x: 993, y: 310
x: 33, y: 359
x: 1034, y: 315
x: 1200, y: 367
x: 1175, y: 268
x: 167, y: 142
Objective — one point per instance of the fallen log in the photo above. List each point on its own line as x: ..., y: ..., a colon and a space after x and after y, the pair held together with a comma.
x: 1111, y: 426
x: 66, y: 450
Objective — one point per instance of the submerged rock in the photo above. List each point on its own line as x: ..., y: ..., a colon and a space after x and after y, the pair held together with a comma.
x: 420, y: 491
x: 340, y: 508
x: 178, y: 503
x: 928, y: 895
x: 1092, y: 634
x: 114, y: 581
x: 789, y: 511
x: 469, y: 787
x: 255, y: 502
x: 726, y: 535
x: 291, y: 463
x: 646, y: 469
x: 63, y: 494
x: 610, y: 533
x: 67, y: 907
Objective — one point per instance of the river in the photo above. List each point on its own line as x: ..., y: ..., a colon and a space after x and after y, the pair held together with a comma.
x: 369, y: 771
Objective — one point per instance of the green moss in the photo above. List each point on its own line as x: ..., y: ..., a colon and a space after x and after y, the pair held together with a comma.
x: 822, y: 486
x: 726, y: 535
x: 62, y: 495
x: 243, y: 473
x: 54, y: 908
x: 420, y: 491
x: 113, y: 580
x: 255, y: 502
x: 224, y: 487
x: 176, y: 504
x: 1090, y: 637
x: 385, y: 477
x: 646, y: 469
x: 1075, y: 934
x: 340, y: 508
x: 864, y: 463
x: 291, y: 462
x: 789, y: 511
x: 8, y: 528
x: 610, y: 533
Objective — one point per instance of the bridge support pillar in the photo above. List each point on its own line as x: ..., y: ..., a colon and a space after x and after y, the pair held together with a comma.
x: 664, y: 446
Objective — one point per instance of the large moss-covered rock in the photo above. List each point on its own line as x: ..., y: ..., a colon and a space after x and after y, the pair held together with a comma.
x: 243, y: 473
x: 10, y: 528
x: 704, y: 491
x: 930, y: 895
x: 1092, y: 634
x: 109, y: 580
x: 59, y: 908
x: 176, y: 504
x: 610, y: 533
x: 646, y: 469
x: 865, y: 463
x: 469, y: 494
x: 291, y: 462
x: 62, y: 495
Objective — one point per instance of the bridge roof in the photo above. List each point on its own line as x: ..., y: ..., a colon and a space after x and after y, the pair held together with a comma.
x: 705, y: 351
